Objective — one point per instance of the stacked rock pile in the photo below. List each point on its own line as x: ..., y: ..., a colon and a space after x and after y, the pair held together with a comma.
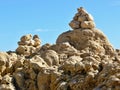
x: 82, y: 19
x: 81, y: 59
x: 28, y: 45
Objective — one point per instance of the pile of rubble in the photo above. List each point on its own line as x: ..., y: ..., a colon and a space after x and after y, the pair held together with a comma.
x: 81, y: 59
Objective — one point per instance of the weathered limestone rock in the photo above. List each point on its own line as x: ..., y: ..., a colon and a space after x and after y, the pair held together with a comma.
x: 64, y: 47
x: 51, y: 57
x: 81, y: 59
x: 7, y: 83
x: 19, y: 79
x: 5, y: 63
x: 26, y: 38
x: 71, y: 64
x: 93, y: 39
x: 27, y: 45
x: 25, y: 50
x: 3, y: 60
x: 43, y: 81
x: 74, y: 24
x: 87, y: 24
x: 82, y: 19
x: 36, y: 63
x: 37, y: 41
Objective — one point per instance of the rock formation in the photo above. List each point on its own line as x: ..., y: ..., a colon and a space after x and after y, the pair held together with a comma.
x: 27, y: 45
x: 82, y: 19
x: 81, y: 59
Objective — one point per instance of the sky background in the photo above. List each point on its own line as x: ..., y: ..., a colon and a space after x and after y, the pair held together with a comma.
x: 50, y: 18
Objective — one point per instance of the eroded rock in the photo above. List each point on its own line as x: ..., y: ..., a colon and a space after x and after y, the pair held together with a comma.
x: 81, y: 59
x: 82, y: 19
x: 28, y: 45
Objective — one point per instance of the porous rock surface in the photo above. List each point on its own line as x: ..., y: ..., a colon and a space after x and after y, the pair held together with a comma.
x: 28, y: 45
x: 81, y: 59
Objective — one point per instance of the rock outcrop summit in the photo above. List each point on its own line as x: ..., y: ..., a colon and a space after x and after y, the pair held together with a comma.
x: 81, y: 59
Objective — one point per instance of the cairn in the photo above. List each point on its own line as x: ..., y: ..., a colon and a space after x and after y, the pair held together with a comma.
x: 28, y: 45
x: 81, y: 59
x: 82, y: 19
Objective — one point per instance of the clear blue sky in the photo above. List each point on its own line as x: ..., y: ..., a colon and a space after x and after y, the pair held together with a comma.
x: 49, y: 18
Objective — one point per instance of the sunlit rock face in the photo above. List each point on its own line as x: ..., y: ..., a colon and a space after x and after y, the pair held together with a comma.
x: 81, y: 59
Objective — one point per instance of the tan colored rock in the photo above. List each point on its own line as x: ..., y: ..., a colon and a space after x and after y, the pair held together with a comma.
x: 37, y: 41
x: 51, y: 57
x: 3, y: 62
x: 74, y: 24
x: 55, y: 79
x: 81, y: 59
x: 6, y: 83
x: 89, y: 17
x: 43, y: 81
x: 62, y: 86
x: 87, y: 24
x: 82, y: 18
x: 7, y: 87
x: 20, y: 80
x: 36, y: 63
x: 44, y: 48
x: 86, y: 39
x: 6, y: 79
x: 21, y: 50
x: 25, y: 50
x: 26, y: 38
x: 82, y: 11
x: 28, y: 45
x: 24, y: 43
x: 30, y: 85
x: 70, y: 64
x: 64, y: 48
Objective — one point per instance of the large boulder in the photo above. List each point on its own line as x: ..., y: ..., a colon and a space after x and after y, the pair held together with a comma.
x: 91, y: 39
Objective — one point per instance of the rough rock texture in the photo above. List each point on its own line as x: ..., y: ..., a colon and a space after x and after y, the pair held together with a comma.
x: 82, y: 19
x: 27, y: 45
x: 81, y: 59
